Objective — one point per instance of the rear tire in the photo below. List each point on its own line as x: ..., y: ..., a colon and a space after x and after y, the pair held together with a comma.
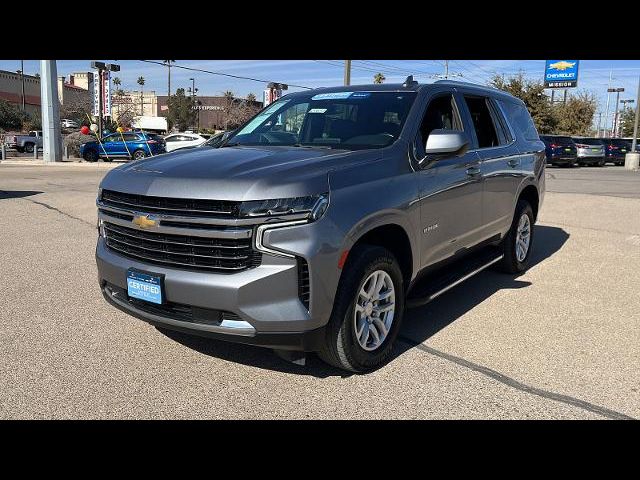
x: 90, y: 156
x: 343, y: 344
x: 138, y: 155
x: 514, y: 261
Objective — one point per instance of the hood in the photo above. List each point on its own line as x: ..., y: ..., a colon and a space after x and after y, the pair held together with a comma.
x: 233, y: 173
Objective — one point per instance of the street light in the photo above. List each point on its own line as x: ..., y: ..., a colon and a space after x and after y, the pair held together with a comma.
x: 193, y: 97
x: 615, y: 117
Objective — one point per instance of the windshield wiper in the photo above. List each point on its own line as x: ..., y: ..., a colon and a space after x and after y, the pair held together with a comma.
x: 230, y: 144
x: 300, y: 145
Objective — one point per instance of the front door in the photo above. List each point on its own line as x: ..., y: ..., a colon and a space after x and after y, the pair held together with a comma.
x: 451, y: 189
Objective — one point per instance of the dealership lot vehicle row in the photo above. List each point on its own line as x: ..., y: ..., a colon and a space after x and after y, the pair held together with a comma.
x: 566, y: 329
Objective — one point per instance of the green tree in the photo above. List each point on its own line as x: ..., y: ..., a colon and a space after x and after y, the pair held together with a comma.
x: 532, y: 94
x: 251, y: 97
x: 575, y: 117
x: 141, y: 83
x: 11, y: 117
x: 181, y: 113
x: 379, y: 78
x: 627, y: 122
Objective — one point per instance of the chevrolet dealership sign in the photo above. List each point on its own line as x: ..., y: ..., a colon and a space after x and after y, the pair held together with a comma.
x: 561, y: 73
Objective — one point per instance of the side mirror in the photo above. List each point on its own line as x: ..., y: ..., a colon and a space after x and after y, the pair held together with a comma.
x: 443, y: 144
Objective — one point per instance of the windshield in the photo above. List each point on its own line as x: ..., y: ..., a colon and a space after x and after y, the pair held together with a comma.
x: 618, y: 142
x: 347, y: 120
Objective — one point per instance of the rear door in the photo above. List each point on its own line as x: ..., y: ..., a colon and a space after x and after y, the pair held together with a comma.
x: 500, y: 162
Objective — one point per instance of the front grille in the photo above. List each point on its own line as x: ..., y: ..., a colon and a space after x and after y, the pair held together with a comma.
x: 199, y: 253
x: 171, y: 206
x: 303, y: 282
x: 175, y: 311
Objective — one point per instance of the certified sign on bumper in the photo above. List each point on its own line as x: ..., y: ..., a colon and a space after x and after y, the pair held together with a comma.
x: 144, y: 286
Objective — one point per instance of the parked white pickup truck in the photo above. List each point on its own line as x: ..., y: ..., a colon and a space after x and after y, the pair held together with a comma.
x: 25, y: 143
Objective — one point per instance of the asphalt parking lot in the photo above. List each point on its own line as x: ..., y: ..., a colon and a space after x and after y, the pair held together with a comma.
x: 559, y: 342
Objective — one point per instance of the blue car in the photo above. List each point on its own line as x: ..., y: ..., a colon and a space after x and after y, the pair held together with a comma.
x: 129, y: 145
x: 560, y: 150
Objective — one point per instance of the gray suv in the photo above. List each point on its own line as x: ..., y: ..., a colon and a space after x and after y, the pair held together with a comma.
x: 317, y: 222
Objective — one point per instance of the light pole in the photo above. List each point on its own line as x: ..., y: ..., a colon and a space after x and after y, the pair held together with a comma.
x: 615, y: 117
x: 632, y: 159
x: 193, y: 98
x: 624, y: 106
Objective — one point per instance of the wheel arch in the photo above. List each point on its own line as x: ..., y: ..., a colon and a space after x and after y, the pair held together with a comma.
x: 530, y: 194
x: 393, y: 237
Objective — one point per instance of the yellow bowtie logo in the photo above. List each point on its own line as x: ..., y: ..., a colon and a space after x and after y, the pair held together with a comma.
x: 144, y: 221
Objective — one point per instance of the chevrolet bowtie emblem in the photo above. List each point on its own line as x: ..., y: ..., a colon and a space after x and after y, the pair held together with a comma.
x: 145, y: 221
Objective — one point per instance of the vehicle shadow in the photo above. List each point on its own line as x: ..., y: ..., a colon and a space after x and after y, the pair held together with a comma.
x: 419, y: 324
x: 4, y: 194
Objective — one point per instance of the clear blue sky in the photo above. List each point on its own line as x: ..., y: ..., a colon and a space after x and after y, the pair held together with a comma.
x: 594, y: 74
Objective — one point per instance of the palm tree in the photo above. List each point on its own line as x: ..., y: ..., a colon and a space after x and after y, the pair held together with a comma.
x: 251, y: 97
x: 141, y: 83
x: 379, y: 78
x: 117, y: 82
x: 168, y: 64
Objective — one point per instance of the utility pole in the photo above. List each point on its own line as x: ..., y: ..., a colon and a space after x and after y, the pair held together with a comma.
x: 632, y: 159
x: 606, y: 115
x: 347, y: 72
x: 22, y: 81
x: 50, y: 107
x: 446, y: 69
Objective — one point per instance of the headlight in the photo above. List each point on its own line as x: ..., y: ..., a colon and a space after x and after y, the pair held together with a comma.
x: 311, y: 207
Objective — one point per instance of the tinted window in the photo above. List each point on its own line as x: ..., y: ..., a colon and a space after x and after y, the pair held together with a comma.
x: 618, y: 142
x: 482, y: 122
x: 442, y: 114
x: 521, y: 120
x: 563, y: 140
x: 130, y: 137
x: 172, y: 138
x: 112, y: 139
x: 588, y: 141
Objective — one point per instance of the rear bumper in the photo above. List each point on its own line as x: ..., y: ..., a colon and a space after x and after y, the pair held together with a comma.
x: 562, y: 159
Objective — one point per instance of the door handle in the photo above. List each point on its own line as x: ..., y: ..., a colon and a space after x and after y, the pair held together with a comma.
x: 473, y: 171
x: 514, y: 162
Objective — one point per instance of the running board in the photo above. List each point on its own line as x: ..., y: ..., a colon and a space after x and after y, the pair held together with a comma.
x: 434, y: 285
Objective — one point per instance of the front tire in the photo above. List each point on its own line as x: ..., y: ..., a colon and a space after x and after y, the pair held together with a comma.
x: 28, y: 147
x: 518, y: 243
x: 367, y: 311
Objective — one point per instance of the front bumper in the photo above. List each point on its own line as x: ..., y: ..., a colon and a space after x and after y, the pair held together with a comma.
x: 264, y: 301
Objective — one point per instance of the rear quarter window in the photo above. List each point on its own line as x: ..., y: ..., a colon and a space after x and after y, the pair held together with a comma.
x: 521, y: 121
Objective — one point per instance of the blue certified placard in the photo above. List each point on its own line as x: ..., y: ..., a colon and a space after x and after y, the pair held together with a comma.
x: 144, y: 286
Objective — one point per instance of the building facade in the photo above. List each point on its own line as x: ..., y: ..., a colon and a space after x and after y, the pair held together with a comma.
x: 210, y: 111
x: 11, y: 91
x: 145, y: 104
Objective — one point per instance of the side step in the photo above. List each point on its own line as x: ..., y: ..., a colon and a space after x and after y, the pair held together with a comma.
x: 435, y: 284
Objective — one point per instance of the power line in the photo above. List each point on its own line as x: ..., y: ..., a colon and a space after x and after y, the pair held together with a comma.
x: 175, y: 65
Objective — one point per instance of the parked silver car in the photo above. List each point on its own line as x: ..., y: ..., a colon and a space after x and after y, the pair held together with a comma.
x: 314, y: 224
x: 590, y: 151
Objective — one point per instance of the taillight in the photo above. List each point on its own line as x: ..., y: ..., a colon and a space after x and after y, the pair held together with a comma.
x: 580, y: 145
x: 553, y: 145
x: 613, y: 147
x: 152, y: 141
